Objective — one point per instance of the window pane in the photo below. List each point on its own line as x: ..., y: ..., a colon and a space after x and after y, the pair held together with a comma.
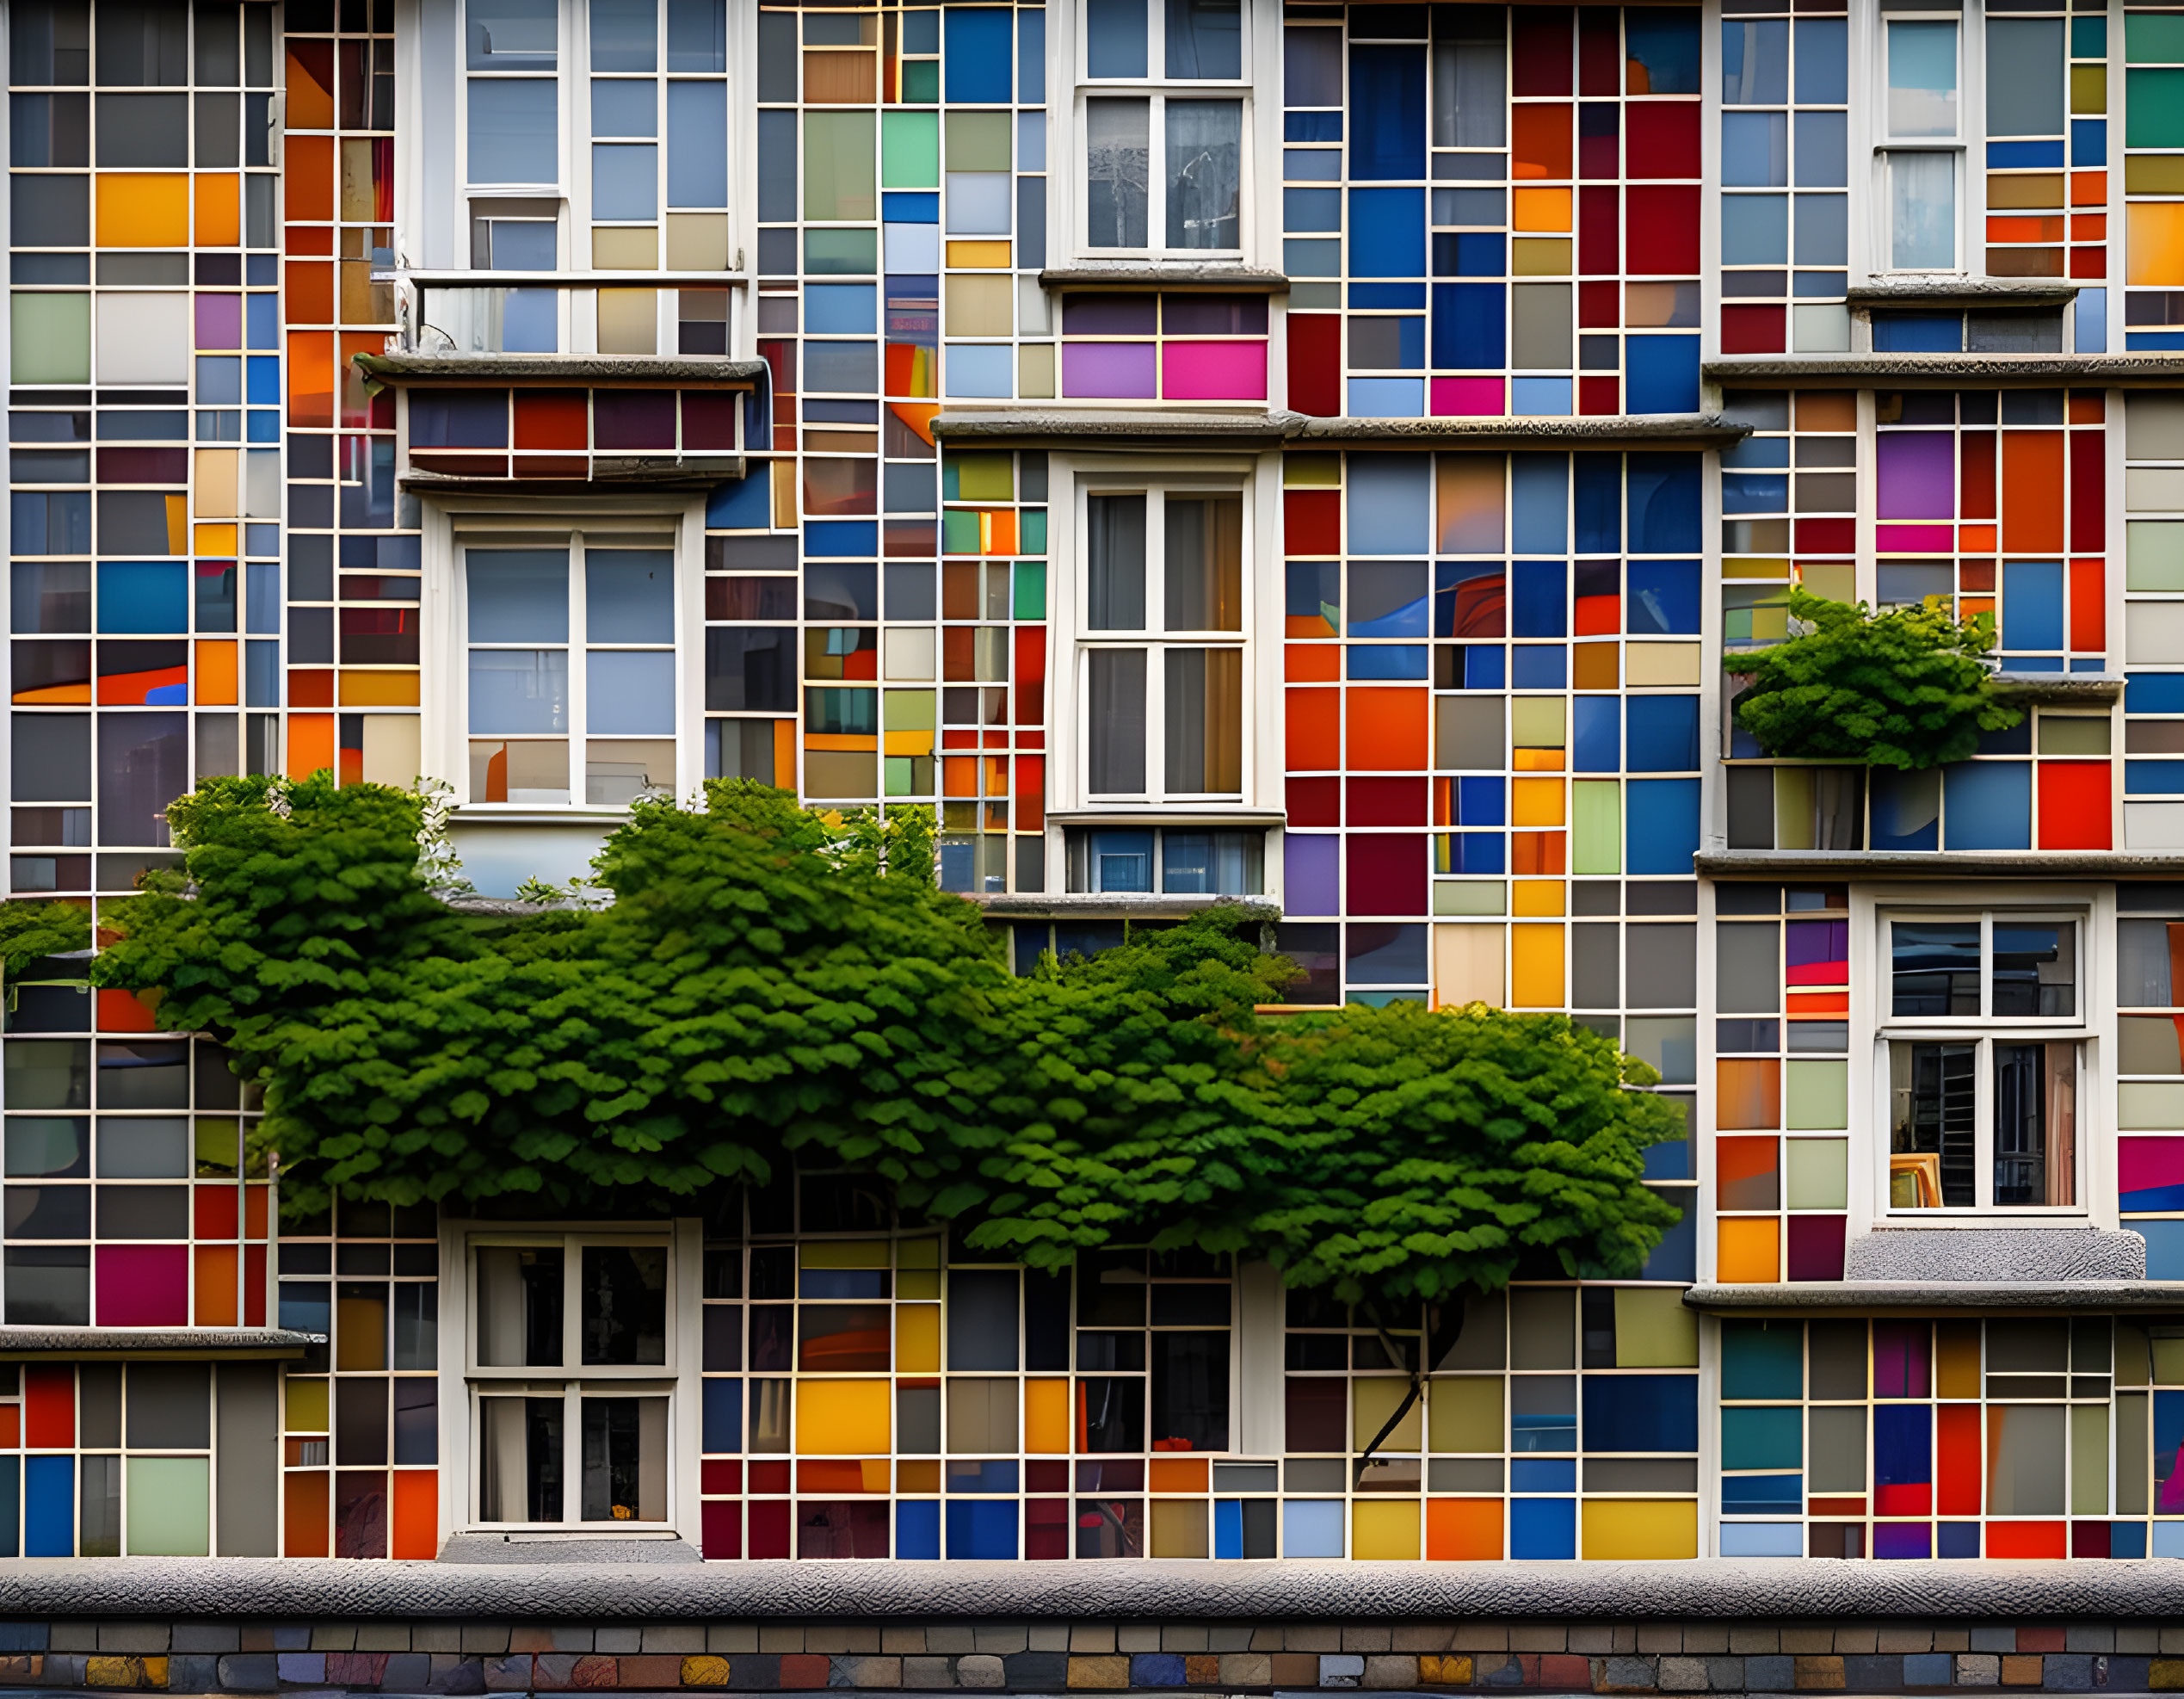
x: 1932, y: 1105
x: 630, y: 692
x: 1118, y: 138
x: 625, y: 1303
x: 625, y: 1466
x: 629, y: 595
x: 2035, y: 967
x: 514, y: 131
x: 1114, y: 37
x: 1223, y: 863
x: 1115, y: 583
x: 519, y: 690
x: 625, y: 34
x: 518, y: 595
x: 1116, y: 701
x: 625, y: 182
x: 622, y: 107
x: 2036, y: 1123
x: 697, y: 35
x: 1203, y: 581
x: 2025, y: 77
x: 518, y: 1305
x: 1922, y: 79
x: 1203, y: 150
x: 1121, y: 861
x: 520, y: 1461
x: 1205, y: 38
x: 1922, y: 210
x: 1205, y: 720
x: 1470, y: 92
x: 1190, y: 1390
x: 1935, y: 968
x: 512, y: 34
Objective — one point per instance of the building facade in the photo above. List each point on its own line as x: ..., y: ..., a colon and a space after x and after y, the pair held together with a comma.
x: 1319, y: 454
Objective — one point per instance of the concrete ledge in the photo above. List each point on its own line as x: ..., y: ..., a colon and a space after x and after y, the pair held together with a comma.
x: 558, y: 369
x: 1117, y: 905
x: 18, y: 1344
x: 1234, y: 280
x: 2057, y: 687
x: 1912, y: 370
x: 1888, y: 863
x: 2022, y: 1252
x: 1965, y: 292
x: 1894, y: 1297
x: 1794, y: 1589
x: 1065, y: 426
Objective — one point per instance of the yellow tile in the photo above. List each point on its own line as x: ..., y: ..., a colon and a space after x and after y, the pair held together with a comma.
x: 979, y: 256
x: 1538, y: 897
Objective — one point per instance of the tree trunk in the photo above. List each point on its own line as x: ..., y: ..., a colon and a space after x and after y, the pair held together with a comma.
x: 1444, y: 1327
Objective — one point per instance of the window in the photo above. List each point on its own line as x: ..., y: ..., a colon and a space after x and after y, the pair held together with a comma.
x: 1162, y: 170
x: 1922, y: 106
x: 566, y: 642
x: 569, y: 1380
x: 513, y: 53
x: 1166, y: 718
x: 1177, y: 861
x: 659, y: 152
x: 1983, y: 1062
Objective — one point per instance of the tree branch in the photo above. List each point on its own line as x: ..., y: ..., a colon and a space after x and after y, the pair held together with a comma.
x: 1444, y: 1326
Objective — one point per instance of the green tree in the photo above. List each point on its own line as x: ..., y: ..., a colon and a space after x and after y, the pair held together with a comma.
x: 1907, y: 687
x: 773, y: 986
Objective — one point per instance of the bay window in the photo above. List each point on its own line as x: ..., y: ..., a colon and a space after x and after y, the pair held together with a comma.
x: 1984, y: 1063
x: 1162, y: 630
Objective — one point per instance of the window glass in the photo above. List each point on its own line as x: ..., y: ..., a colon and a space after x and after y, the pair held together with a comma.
x: 1922, y: 79
x: 1115, y: 592
x: 518, y: 1305
x: 1923, y: 211
x: 1115, y: 706
x: 513, y: 35
x: 1205, y: 38
x: 1203, y: 147
x: 2035, y: 968
x: 1114, y: 39
x: 1935, y: 968
x: 1117, y: 160
x: 2035, y: 1123
x: 625, y: 1304
x: 1932, y: 1112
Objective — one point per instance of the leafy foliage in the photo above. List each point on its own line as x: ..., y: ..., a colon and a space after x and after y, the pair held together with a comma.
x: 34, y: 928
x: 1906, y: 689
x: 773, y: 986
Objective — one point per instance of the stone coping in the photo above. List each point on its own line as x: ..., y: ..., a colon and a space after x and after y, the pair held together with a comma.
x: 1887, y: 864
x: 1946, y: 369
x: 1790, y: 1589
x: 1065, y: 426
x: 20, y: 1343
x: 682, y: 371
x: 1896, y: 1297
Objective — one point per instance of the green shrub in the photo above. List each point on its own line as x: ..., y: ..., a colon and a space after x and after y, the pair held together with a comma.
x: 1908, y: 687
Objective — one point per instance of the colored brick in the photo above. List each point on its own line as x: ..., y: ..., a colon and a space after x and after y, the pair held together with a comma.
x: 1111, y: 1670
x: 1816, y: 1674
x: 705, y: 1670
x: 1156, y: 1669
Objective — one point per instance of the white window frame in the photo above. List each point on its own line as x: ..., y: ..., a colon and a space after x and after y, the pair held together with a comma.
x: 1886, y: 147
x: 1984, y: 1030
x: 561, y: 77
x: 453, y: 524
x: 1158, y: 94
x: 1154, y: 641
x: 674, y: 1380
